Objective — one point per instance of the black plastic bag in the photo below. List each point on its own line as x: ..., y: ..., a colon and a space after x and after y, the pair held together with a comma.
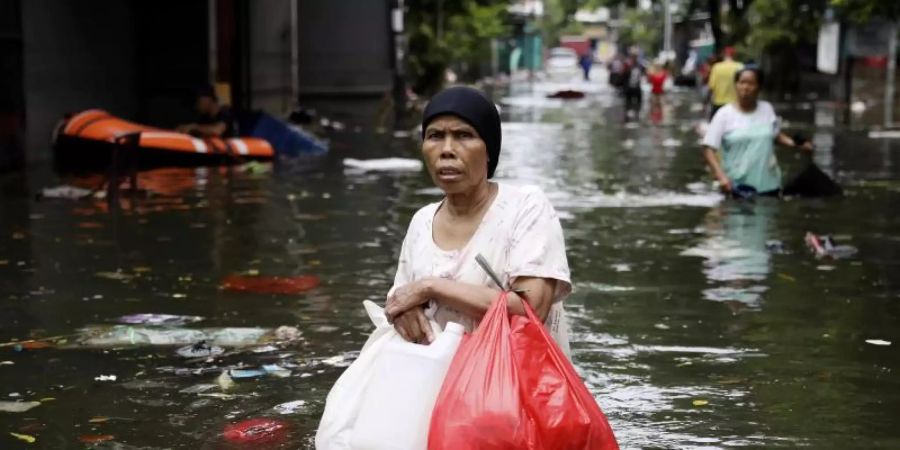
x: 812, y: 182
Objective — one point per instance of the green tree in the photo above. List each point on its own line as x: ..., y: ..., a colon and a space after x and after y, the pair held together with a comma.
x: 642, y: 28
x: 782, y: 23
x: 863, y: 10
x: 467, y: 28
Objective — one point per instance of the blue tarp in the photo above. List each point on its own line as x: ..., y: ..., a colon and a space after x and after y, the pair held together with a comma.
x: 287, y: 140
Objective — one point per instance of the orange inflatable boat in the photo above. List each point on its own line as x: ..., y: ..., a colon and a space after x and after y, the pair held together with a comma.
x: 89, y: 138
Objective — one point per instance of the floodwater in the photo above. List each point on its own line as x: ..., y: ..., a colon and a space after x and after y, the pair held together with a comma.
x: 697, y: 323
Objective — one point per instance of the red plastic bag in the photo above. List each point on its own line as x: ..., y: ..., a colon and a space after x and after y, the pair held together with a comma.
x: 256, y: 431
x: 270, y: 285
x: 511, y: 387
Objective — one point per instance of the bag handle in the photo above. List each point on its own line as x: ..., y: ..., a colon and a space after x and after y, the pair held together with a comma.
x: 482, y: 261
x: 529, y: 311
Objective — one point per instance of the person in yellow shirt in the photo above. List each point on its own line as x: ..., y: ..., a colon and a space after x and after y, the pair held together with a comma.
x: 721, y: 81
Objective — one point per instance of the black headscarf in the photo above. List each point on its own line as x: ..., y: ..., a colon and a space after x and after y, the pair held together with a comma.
x: 472, y: 106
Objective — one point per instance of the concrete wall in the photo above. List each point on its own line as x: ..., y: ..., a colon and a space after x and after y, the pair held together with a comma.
x: 171, y: 57
x: 270, y: 56
x: 137, y: 59
x: 345, y: 47
x: 76, y: 56
x: 12, y: 97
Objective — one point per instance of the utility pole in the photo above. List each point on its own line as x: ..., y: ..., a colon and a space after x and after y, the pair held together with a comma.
x: 891, y: 77
x: 667, y: 30
x: 398, y: 13
x: 440, y: 20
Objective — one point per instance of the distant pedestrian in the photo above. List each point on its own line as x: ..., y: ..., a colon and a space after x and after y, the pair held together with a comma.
x: 617, y: 72
x: 721, y: 80
x: 657, y: 77
x: 586, y: 61
x: 634, y: 74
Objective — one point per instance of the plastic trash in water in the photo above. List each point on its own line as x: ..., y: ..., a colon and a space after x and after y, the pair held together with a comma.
x: 256, y: 431
x: 823, y: 246
x: 884, y: 134
x: 245, y: 374
x: 384, y: 164
x: 95, y: 438
x: 199, y: 350
x: 64, y: 191
x: 126, y: 335
x: 670, y: 142
x: 17, y: 407
x: 159, y: 319
x: 290, y: 407
x: 274, y: 370
x: 775, y: 246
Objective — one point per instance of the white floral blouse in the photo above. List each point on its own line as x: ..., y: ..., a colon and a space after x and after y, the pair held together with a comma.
x: 520, y: 236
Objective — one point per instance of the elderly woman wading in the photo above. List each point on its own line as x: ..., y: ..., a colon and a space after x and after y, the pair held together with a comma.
x: 515, y: 228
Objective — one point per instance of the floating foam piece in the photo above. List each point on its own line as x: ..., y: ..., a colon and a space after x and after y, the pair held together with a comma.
x: 884, y: 134
x: 384, y: 164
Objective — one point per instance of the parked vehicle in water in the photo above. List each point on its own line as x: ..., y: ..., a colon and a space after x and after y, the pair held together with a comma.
x: 562, y: 61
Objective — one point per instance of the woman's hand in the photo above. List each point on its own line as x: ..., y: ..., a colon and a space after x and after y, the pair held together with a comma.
x: 712, y: 160
x: 413, y: 326
x: 725, y: 184
x: 407, y: 297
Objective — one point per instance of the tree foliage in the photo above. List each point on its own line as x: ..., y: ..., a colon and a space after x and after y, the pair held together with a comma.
x: 863, y: 10
x: 467, y: 27
x: 773, y: 23
x: 642, y: 28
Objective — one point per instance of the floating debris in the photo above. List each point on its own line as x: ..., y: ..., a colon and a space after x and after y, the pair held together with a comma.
x: 290, y: 407
x: 65, y: 191
x: 884, y: 134
x: 24, y: 437
x: 384, y: 164
x: 224, y: 381
x: 823, y: 246
x: 256, y: 431
x: 95, y: 438
x: 17, y: 407
x: 159, y: 319
x: 270, y: 285
x: 670, y: 143
x: 199, y: 350
x: 116, y: 276
x: 879, y: 342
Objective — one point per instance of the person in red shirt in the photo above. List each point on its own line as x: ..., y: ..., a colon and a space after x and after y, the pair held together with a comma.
x: 657, y: 78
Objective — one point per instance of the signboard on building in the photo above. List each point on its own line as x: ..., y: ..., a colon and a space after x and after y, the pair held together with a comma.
x: 827, y: 56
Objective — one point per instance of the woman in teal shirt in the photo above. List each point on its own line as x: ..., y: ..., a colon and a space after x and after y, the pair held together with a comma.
x: 744, y: 132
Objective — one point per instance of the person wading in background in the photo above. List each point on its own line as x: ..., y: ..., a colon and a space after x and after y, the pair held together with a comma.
x: 721, y: 81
